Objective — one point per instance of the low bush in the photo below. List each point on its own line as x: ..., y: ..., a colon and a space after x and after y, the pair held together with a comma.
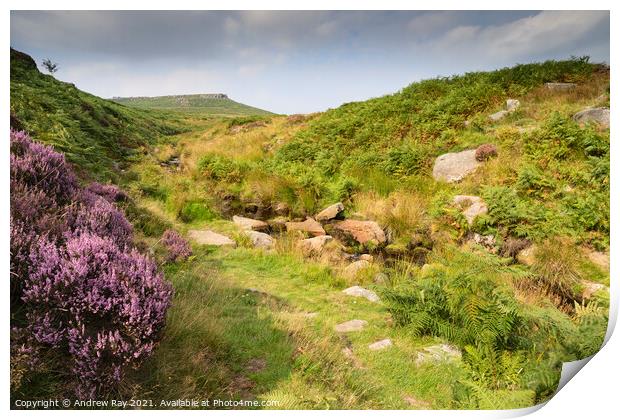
x: 178, y: 249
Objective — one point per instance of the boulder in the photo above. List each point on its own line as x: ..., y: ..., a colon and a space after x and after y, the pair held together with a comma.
x: 472, y: 206
x: 260, y: 239
x: 367, y: 257
x: 439, y: 353
x: 487, y: 241
x: 358, y: 291
x: 250, y: 224
x: 208, y: 237
x: 330, y: 212
x: 351, y: 270
x: 350, y: 326
x: 512, y: 105
x: 498, y: 115
x: 314, y: 245
x: 527, y: 255
x: 590, y: 288
x: 362, y: 231
x: 560, y: 87
x: 381, y: 279
x: 381, y: 344
x: 309, y: 226
x: 453, y: 167
x: 597, y: 115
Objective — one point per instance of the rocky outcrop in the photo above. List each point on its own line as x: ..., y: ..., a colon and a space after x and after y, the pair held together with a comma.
x: 453, y: 167
x: 471, y: 206
x: 380, y: 345
x: 351, y: 326
x: 511, y: 106
x: 250, y: 224
x: 358, y: 291
x: 208, y: 237
x: 560, y: 87
x: 597, y: 115
x: 260, y: 239
x: 314, y: 245
x: 361, y: 231
x: 351, y: 270
x: 309, y: 226
x: 440, y: 353
x: 330, y: 212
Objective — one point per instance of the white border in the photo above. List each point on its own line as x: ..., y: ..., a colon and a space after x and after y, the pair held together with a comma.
x: 592, y: 394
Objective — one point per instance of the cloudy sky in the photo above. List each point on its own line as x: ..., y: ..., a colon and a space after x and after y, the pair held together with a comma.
x: 295, y: 62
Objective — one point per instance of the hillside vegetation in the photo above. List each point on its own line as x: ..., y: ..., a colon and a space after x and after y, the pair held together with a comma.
x: 453, y: 312
x: 198, y: 104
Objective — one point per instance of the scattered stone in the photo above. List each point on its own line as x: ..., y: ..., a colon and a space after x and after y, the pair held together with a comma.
x: 330, y: 212
x: 358, y: 291
x: 260, y: 239
x: 351, y: 270
x: 440, y: 353
x: 597, y: 115
x: 487, y: 241
x: 560, y: 87
x: 527, y: 255
x: 512, y: 105
x: 590, y: 288
x: 351, y: 326
x: 600, y: 259
x: 485, y: 152
x: 472, y: 206
x: 362, y: 231
x: 367, y: 257
x: 381, y: 344
x: 453, y: 167
x: 314, y: 245
x: 250, y: 224
x: 208, y: 237
x: 309, y: 226
x: 498, y: 115
x: 381, y: 279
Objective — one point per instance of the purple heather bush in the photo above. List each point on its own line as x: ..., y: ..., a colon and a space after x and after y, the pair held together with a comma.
x: 178, y: 248
x: 111, y: 193
x: 78, y: 286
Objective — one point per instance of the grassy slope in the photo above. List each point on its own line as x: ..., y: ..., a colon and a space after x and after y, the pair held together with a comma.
x: 217, y: 328
x: 95, y: 134
x: 193, y: 103
x: 261, y: 164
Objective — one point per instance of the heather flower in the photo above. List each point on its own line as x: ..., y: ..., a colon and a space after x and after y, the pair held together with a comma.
x: 178, y: 248
x: 111, y: 193
x: 78, y: 287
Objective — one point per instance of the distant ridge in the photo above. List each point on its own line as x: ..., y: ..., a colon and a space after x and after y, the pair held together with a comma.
x: 211, y: 103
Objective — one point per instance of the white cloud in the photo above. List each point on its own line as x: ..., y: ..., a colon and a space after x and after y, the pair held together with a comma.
x: 537, y: 34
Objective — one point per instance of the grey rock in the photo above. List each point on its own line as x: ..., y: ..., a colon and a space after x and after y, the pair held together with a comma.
x: 597, y: 115
x: 351, y: 270
x: 250, y: 224
x: 453, y: 167
x: 351, y: 326
x: 560, y: 87
x: 260, y: 239
x: 472, y: 206
x: 498, y: 115
x: 381, y: 344
x: 330, y: 212
x: 358, y: 291
x: 208, y: 237
x: 512, y: 105
x: 439, y: 353
x: 314, y: 245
